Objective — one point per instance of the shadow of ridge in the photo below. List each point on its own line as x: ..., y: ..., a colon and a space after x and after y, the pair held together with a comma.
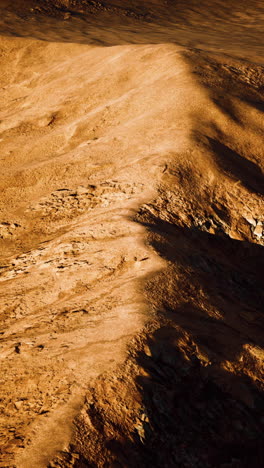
x: 196, y: 412
x: 224, y: 272
x: 192, y: 418
x: 200, y: 408
x: 189, y: 417
x: 249, y: 173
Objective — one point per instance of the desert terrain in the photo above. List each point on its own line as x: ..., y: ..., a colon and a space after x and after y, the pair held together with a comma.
x: 131, y: 234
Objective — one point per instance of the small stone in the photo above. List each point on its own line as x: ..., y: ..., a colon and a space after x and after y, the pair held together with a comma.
x: 147, y: 350
x: 251, y: 221
x: 211, y: 230
x: 144, y: 418
x: 258, y: 231
x: 18, y: 404
x: 43, y: 410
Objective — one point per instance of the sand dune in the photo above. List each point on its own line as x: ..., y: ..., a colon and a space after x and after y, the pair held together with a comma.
x: 131, y: 234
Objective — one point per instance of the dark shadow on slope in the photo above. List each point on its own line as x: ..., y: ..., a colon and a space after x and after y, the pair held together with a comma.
x: 227, y: 107
x: 241, y: 168
x: 199, y: 414
x: 228, y: 271
x: 193, y: 417
x: 259, y: 105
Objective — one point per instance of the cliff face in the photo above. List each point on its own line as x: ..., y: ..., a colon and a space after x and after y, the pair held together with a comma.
x: 131, y: 234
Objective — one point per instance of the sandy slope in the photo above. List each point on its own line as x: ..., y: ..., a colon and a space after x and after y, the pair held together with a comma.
x: 131, y: 235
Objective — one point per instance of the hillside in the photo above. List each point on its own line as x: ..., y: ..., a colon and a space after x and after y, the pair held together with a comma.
x: 131, y: 234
